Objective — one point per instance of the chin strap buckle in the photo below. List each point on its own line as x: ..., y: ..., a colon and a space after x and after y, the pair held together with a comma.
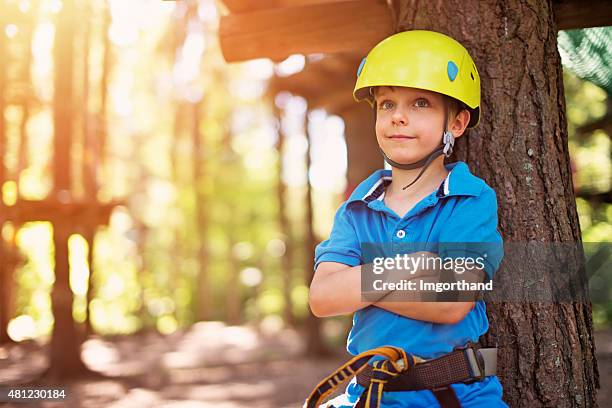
x: 448, y: 140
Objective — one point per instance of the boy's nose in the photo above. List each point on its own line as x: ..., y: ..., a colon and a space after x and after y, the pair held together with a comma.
x: 399, y: 118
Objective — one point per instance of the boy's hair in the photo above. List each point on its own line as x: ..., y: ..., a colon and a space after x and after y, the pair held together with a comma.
x: 454, y: 106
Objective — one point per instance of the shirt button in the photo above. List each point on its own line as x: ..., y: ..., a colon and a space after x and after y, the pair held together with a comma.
x: 400, y: 234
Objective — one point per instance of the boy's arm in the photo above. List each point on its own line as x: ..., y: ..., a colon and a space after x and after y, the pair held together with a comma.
x: 336, y: 290
x: 435, y: 312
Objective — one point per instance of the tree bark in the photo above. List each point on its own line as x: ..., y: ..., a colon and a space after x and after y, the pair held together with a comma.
x: 546, y: 351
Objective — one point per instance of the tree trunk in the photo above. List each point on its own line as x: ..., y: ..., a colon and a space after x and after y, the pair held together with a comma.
x: 95, y: 142
x: 104, y: 81
x: 89, y: 233
x: 361, y: 144
x: 233, y: 290
x: 4, y: 294
x: 4, y: 271
x: 284, y: 226
x: 314, y: 341
x: 89, y: 163
x: 25, y: 78
x: 203, y: 299
x: 64, y: 353
x: 546, y: 355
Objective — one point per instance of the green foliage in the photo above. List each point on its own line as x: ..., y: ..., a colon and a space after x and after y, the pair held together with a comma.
x: 591, y: 154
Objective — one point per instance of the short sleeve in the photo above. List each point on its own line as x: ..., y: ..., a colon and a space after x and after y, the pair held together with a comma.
x: 342, y: 245
x: 472, y: 232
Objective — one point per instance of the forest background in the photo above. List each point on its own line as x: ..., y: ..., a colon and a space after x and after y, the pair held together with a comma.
x: 210, y: 190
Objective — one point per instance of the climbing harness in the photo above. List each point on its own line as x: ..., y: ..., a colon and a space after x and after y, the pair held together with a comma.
x: 401, y: 371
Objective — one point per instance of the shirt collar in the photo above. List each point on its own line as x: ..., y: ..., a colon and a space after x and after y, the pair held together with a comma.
x: 460, y: 181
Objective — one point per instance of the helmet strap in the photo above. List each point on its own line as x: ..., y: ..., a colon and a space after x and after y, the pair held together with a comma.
x: 408, y: 166
x: 433, y: 155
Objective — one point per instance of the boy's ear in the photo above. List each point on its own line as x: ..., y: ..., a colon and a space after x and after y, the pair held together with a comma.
x: 459, y: 123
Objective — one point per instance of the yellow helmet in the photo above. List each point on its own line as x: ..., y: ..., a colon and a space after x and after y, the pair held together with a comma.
x: 425, y: 60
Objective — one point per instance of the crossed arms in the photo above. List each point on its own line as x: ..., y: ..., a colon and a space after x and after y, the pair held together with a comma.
x: 336, y: 290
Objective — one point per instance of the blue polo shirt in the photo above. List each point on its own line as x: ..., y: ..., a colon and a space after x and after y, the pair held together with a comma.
x: 462, y: 210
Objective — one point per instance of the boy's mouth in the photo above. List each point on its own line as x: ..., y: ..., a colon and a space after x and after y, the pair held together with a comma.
x: 401, y: 137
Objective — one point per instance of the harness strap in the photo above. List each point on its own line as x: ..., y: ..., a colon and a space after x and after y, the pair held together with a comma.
x: 401, y: 371
x: 446, y: 397
x: 465, y: 364
x: 396, y: 361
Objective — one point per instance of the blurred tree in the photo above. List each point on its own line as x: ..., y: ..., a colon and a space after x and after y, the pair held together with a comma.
x: 17, y: 97
x: 94, y: 129
x: 287, y: 258
x: 4, y: 272
x: 65, y: 349
x: 203, y: 299
x: 314, y: 342
x: 233, y: 288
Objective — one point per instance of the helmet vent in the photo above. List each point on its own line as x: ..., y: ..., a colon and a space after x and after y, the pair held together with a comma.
x: 452, y: 70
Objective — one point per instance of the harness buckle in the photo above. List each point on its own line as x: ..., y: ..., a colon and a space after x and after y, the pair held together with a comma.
x: 476, y: 362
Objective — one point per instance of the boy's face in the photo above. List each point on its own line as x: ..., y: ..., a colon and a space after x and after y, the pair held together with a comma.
x: 409, y: 122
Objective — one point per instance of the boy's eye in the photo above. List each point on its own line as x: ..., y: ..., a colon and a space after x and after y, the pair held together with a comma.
x: 386, y: 104
x: 421, y: 103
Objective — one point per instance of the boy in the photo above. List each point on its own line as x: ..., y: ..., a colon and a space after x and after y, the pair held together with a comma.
x: 425, y: 91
